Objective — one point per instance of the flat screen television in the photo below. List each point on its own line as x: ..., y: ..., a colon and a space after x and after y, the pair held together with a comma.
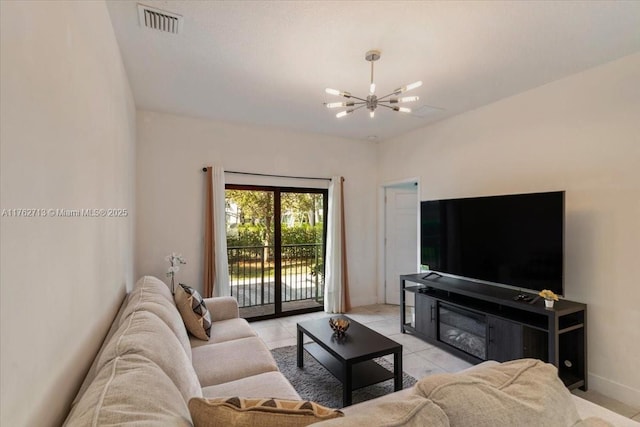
x: 514, y: 240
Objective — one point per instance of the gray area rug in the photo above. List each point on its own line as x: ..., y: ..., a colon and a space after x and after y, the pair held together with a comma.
x: 314, y: 382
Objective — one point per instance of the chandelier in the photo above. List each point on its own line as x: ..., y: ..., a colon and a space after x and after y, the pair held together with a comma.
x: 372, y: 101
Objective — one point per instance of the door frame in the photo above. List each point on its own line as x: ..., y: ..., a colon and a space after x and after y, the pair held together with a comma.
x: 277, y: 229
x: 382, y: 232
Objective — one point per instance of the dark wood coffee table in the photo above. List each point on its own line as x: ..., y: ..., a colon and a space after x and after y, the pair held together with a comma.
x: 349, y: 359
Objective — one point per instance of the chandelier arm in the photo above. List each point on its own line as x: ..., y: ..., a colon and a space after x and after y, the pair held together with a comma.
x: 388, y: 106
x: 359, y: 99
x: 383, y: 97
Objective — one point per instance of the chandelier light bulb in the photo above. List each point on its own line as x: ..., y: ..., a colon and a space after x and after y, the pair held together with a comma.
x: 343, y: 113
x: 407, y: 87
x: 413, y: 85
x: 338, y: 104
x: 408, y: 99
x: 337, y: 92
x: 372, y: 113
x: 372, y: 89
x: 404, y: 110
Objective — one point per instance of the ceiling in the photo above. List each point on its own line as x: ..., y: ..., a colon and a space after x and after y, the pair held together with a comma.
x: 267, y: 63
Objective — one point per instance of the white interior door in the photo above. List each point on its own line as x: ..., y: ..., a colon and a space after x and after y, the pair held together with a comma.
x: 401, y: 237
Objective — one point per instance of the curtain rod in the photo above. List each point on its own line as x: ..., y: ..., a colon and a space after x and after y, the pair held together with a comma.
x: 275, y: 176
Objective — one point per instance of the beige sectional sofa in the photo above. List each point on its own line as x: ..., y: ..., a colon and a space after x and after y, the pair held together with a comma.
x: 149, y: 368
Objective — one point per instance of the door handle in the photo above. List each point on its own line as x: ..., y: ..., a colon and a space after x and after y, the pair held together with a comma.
x: 433, y: 317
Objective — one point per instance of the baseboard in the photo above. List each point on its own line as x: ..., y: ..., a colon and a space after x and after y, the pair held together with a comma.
x: 366, y: 300
x: 615, y: 390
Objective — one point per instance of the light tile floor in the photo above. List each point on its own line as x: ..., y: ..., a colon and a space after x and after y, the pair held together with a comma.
x: 419, y: 358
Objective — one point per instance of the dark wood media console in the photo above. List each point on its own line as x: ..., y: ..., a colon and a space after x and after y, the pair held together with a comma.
x: 477, y: 322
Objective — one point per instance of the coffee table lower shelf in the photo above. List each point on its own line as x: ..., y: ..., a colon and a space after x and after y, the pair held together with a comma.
x: 364, y: 373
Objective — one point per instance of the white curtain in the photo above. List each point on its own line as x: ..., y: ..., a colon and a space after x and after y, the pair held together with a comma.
x: 334, y: 301
x: 220, y: 244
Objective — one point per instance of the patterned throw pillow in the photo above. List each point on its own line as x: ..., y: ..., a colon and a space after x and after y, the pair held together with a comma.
x: 194, y: 312
x: 238, y: 411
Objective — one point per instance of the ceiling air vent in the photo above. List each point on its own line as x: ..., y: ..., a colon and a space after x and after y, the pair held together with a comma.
x: 157, y: 19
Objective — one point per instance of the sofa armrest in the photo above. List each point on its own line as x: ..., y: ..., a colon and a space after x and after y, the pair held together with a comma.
x: 222, y: 308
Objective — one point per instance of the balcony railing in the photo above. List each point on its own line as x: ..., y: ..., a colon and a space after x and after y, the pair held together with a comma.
x: 252, y: 273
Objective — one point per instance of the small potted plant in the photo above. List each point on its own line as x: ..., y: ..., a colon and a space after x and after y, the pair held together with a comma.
x: 549, y: 297
x: 174, y: 260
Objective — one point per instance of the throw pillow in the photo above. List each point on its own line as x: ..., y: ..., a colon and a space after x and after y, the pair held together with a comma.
x: 243, y: 412
x: 194, y: 312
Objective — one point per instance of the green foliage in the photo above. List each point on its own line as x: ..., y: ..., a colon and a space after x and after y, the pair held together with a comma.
x: 247, y: 235
x: 301, y: 241
x: 301, y: 233
x: 253, y: 228
x: 304, y: 205
x: 255, y: 205
x: 254, y: 235
x: 256, y: 208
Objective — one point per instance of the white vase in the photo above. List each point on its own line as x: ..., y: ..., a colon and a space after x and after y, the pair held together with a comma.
x: 548, y: 303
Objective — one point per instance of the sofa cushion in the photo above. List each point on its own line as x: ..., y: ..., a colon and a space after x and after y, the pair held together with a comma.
x: 144, y: 334
x: 150, y: 284
x: 171, y: 317
x: 130, y: 391
x: 151, y: 294
x: 232, y: 360
x: 147, y: 289
x: 269, y: 384
x: 524, y: 392
x: 194, y: 312
x: 242, y: 412
x: 411, y: 411
x: 226, y: 330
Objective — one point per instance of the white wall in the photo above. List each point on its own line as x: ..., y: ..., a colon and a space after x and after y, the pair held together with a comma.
x: 580, y: 134
x: 67, y: 141
x: 170, y: 192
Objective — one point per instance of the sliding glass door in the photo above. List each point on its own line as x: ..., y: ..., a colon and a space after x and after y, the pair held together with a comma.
x: 276, y: 245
